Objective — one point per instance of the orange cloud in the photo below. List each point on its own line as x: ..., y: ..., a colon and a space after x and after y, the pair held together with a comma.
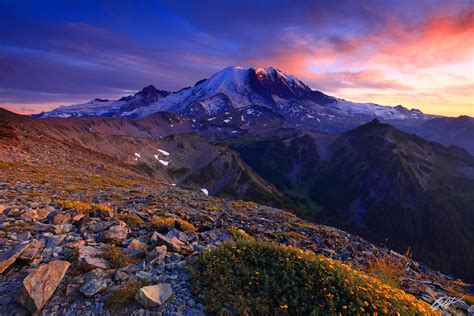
x: 429, y: 65
x: 440, y: 40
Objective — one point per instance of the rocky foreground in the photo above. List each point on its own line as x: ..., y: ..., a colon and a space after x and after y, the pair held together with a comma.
x: 64, y: 257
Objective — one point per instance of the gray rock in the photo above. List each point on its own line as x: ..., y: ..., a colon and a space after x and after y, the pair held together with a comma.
x: 97, y: 227
x: 115, y: 234
x: 94, y: 287
x: 120, y: 276
x: 154, y: 295
x: 173, y: 244
x: 157, y: 255
x: 24, y: 236
x: 54, y: 241
x: 177, y: 234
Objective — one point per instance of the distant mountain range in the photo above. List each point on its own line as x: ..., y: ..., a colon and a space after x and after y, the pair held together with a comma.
x: 260, y: 97
x: 263, y: 135
x: 235, y: 89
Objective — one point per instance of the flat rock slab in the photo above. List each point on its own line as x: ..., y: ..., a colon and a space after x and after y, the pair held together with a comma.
x: 8, y: 257
x: 115, y: 234
x: 154, y: 295
x: 89, y: 258
x: 173, y: 244
x: 31, y: 250
x: 40, y: 285
x: 93, y: 287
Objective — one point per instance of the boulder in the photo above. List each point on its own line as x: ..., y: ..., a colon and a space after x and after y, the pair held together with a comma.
x: 88, y: 257
x: 115, y: 234
x: 172, y: 244
x: 8, y: 257
x: 154, y: 295
x: 59, y: 218
x: 40, y: 285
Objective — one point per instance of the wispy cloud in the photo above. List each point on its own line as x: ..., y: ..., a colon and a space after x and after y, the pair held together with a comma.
x: 390, y: 52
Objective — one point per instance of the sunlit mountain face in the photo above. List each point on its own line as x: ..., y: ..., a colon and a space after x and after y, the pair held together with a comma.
x: 236, y: 157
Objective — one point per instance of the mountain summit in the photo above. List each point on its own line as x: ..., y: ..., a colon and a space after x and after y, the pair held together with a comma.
x: 236, y: 88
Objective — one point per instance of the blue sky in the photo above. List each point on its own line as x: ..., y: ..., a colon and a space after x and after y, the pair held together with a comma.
x: 416, y: 53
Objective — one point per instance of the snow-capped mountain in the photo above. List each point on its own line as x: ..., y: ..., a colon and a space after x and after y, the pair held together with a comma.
x: 239, y: 92
x: 108, y: 108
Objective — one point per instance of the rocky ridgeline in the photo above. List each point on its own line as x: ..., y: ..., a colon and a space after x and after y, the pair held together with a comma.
x: 65, y: 258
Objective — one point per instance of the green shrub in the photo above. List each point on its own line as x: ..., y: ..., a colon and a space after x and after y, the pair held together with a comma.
x: 261, y: 278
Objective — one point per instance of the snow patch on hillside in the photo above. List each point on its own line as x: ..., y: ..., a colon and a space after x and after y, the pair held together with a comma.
x: 164, y: 152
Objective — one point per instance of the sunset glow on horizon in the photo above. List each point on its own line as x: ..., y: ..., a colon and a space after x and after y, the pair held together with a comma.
x: 419, y: 55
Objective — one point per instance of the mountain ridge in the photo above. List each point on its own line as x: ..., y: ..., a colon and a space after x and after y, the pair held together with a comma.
x: 234, y: 82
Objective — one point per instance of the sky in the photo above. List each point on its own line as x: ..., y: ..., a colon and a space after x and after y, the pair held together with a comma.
x: 416, y: 53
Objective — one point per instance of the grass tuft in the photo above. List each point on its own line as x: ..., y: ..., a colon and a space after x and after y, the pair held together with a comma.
x: 117, y: 257
x: 242, y: 204
x: 294, y: 235
x: 166, y: 224
x: 131, y: 219
x: 83, y: 207
x: 388, y: 269
x: 125, y: 295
